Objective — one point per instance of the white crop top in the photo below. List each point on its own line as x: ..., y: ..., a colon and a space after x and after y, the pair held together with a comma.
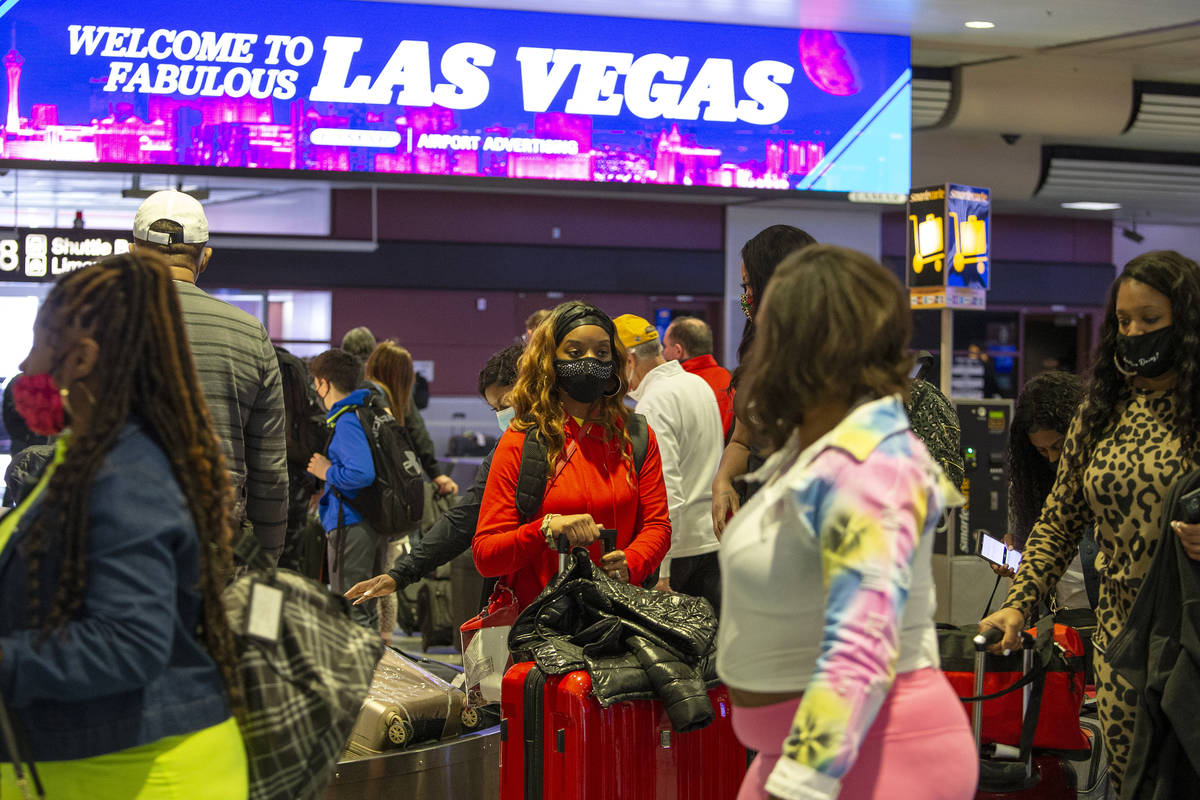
x: 862, y: 502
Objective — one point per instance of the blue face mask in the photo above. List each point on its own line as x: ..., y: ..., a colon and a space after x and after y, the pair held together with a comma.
x: 504, y: 417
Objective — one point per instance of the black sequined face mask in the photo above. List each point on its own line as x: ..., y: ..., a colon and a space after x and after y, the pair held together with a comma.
x: 584, y: 379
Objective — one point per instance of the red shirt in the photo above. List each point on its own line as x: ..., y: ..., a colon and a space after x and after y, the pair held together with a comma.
x: 594, y: 481
x: 718, y: 378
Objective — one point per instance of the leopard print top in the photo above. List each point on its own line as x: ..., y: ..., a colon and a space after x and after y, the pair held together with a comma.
x: 1121, y: 491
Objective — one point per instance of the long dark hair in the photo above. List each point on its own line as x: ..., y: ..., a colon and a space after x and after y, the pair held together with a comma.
x: 836, y: 327
x: 1047, y: 403
x: 761, y: 255
x: 1178, y: 278
x: 127, y: 304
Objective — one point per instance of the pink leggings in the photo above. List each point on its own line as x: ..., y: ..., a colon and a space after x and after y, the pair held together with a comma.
x: 920, y: 744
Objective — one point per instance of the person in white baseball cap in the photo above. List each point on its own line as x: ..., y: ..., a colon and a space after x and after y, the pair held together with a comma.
x: 176, y: 224
x: 235, y: 362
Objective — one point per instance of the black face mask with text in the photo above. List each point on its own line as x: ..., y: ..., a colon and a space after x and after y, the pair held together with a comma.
x: 1149, y: 355
x: 584, y: 379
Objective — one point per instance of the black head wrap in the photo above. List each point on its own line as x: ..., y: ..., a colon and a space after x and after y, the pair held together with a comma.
x: 579, y: 315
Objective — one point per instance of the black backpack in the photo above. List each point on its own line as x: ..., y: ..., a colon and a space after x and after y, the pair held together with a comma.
x: 305, y: 421
x: 394, y: 504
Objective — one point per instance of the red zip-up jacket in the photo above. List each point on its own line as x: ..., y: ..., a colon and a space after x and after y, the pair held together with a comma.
x: 595, y: 481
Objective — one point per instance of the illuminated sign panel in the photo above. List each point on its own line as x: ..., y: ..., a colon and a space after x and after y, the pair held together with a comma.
x: 949, y: 229
x: 352, y: 86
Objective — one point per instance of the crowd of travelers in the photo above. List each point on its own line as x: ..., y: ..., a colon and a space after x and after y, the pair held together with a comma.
x: 153, y: 425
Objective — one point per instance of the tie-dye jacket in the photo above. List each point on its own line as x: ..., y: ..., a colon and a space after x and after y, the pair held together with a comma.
x: 872, y: 496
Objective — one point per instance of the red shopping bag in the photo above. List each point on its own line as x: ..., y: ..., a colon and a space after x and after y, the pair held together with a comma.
x: 485, y: 646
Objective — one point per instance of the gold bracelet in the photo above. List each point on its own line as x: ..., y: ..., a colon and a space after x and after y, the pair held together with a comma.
x: 547, y: 532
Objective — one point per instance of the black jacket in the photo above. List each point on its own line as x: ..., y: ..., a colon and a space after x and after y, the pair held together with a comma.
x: 449, y: 537
x: 24, y: 471
x: 1158, y: 652
x: 635, y: 643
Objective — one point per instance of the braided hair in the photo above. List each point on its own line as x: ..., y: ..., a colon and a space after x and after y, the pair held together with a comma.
x: 128, y: 305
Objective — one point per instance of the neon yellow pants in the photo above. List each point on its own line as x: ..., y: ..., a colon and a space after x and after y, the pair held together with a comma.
x: 210, y: 763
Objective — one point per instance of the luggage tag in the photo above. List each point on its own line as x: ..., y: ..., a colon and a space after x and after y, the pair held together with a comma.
x: 264, y: 612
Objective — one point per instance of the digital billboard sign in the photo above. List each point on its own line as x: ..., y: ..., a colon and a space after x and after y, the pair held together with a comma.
x: 376, y: 87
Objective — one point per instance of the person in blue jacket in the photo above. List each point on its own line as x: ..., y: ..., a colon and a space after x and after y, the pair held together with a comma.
x: 355, y: 551
x: 116, y: 659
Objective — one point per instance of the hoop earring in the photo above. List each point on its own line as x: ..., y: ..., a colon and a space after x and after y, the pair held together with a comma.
x: 617, y: 391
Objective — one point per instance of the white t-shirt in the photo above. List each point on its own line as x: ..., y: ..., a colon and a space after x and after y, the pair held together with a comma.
x: 682, y: 412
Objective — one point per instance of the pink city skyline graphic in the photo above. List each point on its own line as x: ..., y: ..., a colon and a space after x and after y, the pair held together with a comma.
x: 247, y: 132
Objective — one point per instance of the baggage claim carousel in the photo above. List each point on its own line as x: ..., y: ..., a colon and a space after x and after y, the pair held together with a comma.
x: 466, y: 768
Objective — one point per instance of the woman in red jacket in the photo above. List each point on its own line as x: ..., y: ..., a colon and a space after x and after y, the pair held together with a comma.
x: 571, y: 393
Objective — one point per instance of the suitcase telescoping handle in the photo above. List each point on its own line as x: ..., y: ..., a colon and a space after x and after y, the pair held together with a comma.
x: 607, y: 535
x: 982, y: 642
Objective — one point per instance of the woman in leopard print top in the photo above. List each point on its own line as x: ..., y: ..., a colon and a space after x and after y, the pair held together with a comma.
x: 1135, y: 436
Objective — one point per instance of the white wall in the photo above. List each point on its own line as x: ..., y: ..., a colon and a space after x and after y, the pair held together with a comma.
x: 1183, y: 238
x: 851, y: 227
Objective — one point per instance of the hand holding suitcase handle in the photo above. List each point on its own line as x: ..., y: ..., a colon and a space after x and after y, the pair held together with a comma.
x: 1009, y: 622
x: 607, y: 535
x: 613, y: 562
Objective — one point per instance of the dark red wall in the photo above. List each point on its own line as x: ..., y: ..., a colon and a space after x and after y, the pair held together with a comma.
x: 433, y: 216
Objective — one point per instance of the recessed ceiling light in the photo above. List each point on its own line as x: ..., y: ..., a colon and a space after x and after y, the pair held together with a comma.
x: 1092, y: 206
x: 979, y: 23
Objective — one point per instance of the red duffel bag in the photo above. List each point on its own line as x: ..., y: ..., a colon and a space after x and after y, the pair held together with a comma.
x: 1058, y: 672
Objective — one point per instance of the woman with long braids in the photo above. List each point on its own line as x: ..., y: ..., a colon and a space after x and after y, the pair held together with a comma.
x: 115, y: 655
x: 571, y: 394
x: 1134, y: 437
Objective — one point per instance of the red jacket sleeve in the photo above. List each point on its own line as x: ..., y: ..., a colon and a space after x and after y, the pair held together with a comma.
x: 503, y: 546
x: 653, y: 537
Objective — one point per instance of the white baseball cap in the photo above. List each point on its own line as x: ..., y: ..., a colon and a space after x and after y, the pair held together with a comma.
x: 180, y: 208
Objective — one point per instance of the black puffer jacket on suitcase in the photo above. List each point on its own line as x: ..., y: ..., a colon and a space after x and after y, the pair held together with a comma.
x: 635, y: 643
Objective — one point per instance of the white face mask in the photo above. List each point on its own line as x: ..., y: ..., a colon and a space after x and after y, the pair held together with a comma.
x: 504, y: 417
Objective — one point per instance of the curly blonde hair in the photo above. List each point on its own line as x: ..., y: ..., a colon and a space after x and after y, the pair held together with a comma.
x: 536, y: 400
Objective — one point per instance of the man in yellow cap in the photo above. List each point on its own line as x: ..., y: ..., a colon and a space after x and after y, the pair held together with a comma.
x: 683, y: 414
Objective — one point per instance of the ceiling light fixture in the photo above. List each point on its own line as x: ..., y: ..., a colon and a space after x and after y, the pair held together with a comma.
x: 1090, y: 206
x: 979, y: 24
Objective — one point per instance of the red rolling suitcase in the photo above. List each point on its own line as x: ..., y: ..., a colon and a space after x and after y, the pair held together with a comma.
x: 1007, y: 773
x: 557, y: 743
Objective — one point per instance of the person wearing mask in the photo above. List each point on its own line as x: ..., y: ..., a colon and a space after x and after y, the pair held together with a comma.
x: 687, y: 423
x: 827, y: 640
x: 360, y: 342
x: 453, y: 532
x: 116, y: 659
x: 760, y: 256
x: 19, y: 435
x: 689, y: 340
x: 1133, y: 438
x: 354, y: 549
x: 1043, y: 414
x: 236, y: 364
x: 570, y: 393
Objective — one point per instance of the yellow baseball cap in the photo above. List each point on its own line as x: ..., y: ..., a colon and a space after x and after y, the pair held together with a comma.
x: 632, y: 330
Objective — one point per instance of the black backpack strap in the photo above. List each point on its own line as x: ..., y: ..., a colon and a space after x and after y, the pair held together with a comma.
x: 639, y: 434
x: 531, y: 482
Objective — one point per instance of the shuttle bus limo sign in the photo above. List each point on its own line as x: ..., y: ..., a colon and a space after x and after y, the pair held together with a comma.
x: 349, y: 85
